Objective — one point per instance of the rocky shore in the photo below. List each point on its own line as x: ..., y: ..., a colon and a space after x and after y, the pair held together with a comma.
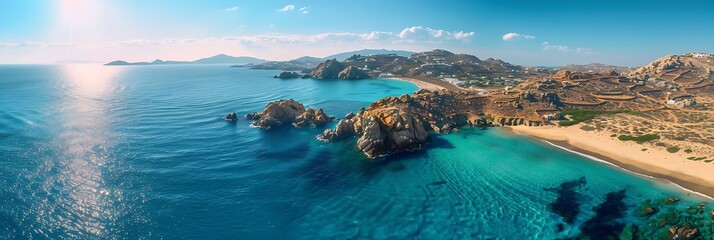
x: 397, y: 124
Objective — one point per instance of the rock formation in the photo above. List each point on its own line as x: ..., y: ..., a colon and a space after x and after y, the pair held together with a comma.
x: 284, y: 112
x: 312, y: 117
x: 329, y: 69
x: 288, y: 75
x: 231, y: 117
x: 352, y: 72
x: 397, y: 124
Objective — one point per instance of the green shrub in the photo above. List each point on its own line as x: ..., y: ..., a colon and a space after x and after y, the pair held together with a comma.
x: 578, y: 116
x: 688, y: 150
x: 639, y: 139
x: 613, y: 135
x: 672, y: 149
x: 587, y: 128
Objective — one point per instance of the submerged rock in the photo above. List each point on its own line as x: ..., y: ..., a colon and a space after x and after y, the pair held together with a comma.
x: 567, y: 204
x: 606, y: 224
x: 289, y: 111
x: 684, y: 233
x: 231, y: 117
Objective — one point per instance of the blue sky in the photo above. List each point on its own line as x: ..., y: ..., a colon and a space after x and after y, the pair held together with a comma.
x: 522, y: 32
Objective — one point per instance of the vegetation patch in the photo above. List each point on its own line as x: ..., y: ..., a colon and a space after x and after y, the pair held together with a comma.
x: 578, y: 116
x: 587, y: 128
x: 639, y: 139
x: 672, y: 149
x: 613, y: 135
x: 688, y: 150
x: 644, y: 149
x: 661, y: 144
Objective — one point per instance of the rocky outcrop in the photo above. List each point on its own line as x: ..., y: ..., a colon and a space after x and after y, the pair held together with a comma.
x: 382, y: 131
x: 312, y: 117
x: 683, y: 233
x: 289, y: 111
x: 352, y: 72
x: 329, y: 69
x: 564, y: 74
x: 231, y: 117
x: 288, y: 75
x: 397, y: 124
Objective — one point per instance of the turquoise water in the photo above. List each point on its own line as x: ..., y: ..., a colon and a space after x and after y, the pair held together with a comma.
x: 91, y: 152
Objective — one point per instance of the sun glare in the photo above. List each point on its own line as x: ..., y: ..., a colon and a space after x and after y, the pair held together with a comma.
x: 77, y: 11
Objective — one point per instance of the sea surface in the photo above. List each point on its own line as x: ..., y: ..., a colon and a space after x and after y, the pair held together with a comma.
x: 142, y: 152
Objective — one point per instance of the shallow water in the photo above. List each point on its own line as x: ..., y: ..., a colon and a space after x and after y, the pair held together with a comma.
x: 142, y: 152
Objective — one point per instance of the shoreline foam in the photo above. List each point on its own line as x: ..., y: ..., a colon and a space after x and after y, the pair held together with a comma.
x: 697, y: 182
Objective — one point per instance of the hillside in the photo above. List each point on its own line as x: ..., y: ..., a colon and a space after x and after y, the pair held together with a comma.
x: 458, y: 69
x: 692, y: 73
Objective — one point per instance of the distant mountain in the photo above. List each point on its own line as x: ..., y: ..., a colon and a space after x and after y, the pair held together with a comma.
x: 595, y: 67
x: 298, y: 64
x: 226, y: 59
x: 218, y: 59
x: 308, y: 59
x: 364, y: 52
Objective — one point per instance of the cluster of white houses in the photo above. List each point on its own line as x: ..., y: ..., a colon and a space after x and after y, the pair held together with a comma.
x: 700, y: 55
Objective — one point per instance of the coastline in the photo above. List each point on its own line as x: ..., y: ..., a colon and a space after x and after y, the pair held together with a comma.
x: 428, y: 84
x: 655, y: 163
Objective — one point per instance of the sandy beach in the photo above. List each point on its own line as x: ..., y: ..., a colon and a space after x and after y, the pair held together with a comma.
x: 655, y: 161
x: 428, y: 84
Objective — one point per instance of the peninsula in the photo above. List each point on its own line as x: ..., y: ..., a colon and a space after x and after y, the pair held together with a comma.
x: 655, y: 119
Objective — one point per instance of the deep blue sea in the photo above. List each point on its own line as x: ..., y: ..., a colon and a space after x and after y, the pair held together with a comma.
x: 142, y: 152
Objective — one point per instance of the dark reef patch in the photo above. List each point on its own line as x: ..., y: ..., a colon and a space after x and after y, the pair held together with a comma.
x: 567, y: 204
x: 606, y: 224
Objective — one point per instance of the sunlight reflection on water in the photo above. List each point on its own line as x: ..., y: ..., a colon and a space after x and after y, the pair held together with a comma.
x: 78, y: 199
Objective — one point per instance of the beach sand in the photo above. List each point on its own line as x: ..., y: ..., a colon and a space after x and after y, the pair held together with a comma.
x: 697, y: 176
x: 428, y: 84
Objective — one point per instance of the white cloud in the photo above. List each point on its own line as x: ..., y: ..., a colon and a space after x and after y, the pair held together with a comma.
x: 548, y: 46
x: 231, y: 9
x: 583, y: 50
x: 410, y: 34
x: 19, y: 45
x: 511, y: 36
x: 287, y: 8
x: 418, y: 33
x: 278, y: 46
x: 303, y: 10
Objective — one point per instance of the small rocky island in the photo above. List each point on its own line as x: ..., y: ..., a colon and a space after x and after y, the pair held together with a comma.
x: 283, y: 112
